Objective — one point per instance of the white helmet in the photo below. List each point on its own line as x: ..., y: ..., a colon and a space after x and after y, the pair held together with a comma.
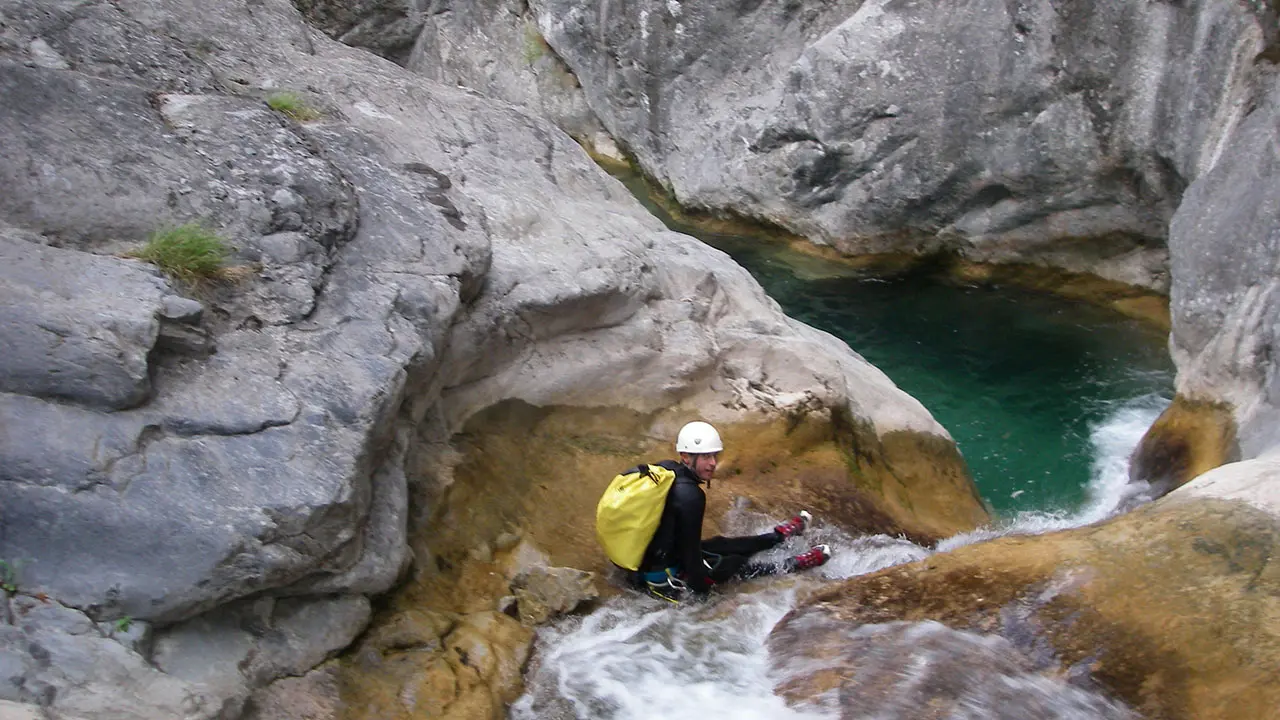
x: 698, y: 438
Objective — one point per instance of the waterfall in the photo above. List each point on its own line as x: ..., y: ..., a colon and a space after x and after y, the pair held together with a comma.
x: 1109, y: 490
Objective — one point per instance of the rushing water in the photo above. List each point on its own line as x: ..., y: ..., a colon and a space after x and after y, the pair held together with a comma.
x: 1045, y: 398
x: 637, y: 658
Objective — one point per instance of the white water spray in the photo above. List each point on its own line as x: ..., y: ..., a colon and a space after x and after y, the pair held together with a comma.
x: 1109, y: 490
x: 638, y: 657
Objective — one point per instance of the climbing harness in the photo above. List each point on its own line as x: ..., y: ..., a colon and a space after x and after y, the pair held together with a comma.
x: 663, y: 584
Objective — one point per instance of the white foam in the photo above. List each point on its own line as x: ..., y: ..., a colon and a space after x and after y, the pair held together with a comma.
x: 637, y: 657
x: 641, y: 658
x: 1109, y: 491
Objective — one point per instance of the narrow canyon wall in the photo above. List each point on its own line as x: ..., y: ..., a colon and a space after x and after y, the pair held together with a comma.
x: 1055, y: 133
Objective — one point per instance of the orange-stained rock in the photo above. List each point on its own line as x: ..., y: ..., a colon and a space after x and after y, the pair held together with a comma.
x: 1174, y: 608
x: 542, y: 471
x: 418, y: 664
x: 1188, y: 439
x: 522, y: 494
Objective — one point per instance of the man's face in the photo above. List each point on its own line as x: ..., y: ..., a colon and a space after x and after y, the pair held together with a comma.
x: 704, y: 466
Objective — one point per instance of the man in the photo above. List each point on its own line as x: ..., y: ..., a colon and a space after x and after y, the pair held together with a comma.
x: 678, y: 560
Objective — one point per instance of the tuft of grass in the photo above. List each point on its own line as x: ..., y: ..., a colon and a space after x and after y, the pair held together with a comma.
x: 188, y: 252
x: 292, y: 104
x: 122, y: 625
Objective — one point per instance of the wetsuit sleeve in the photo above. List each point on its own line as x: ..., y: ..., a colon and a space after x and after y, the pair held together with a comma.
x: 690, y: 505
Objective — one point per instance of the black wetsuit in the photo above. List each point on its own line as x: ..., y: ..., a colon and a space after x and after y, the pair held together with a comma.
x: 678, y: 542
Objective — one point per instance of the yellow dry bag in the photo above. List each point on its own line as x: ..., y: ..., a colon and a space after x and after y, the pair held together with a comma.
x: 629, y: 513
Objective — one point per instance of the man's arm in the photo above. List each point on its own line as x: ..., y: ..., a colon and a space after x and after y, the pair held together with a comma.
x: 690, y: 505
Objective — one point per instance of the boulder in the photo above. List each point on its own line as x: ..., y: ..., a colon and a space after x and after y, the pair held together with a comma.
x: 546, y: 592
x: 77, y: 327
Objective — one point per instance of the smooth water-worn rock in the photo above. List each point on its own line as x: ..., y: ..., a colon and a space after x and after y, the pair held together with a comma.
x: 407, y: 258
x: 1048, y: 132
x: 1171, y: 609
x: 1225, y: 242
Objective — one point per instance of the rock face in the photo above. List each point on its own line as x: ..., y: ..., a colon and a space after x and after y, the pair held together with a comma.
x: 232, y: 467
x: 1045, y: 132
x: 1171, y: 609
x: 77, y: 327
x: 1225, y: 242
x: 1052, y: 133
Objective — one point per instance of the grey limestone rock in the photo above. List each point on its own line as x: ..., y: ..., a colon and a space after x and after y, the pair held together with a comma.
x: 248, y: 644
x: 57, y: 659
x: 1048, y: 132
x: 388, y: 27
x: 75, y: 326
x: 416, y: 254
x: 1225, y: 248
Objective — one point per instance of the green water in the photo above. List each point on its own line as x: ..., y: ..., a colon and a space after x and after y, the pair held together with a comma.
x: 1025, y: 382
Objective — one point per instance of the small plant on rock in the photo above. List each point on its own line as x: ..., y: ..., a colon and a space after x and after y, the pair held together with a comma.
x: 8, y: 577
x: 122, y: 625
x: 188, y: 252
x: 292, y: 104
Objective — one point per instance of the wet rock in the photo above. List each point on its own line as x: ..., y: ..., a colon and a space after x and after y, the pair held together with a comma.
x: 413, y: 257
x: 1223, y: 303
x: 543, y: 593
x: 1187, y: 440
x: 1168, y: 609
x: 927, y: 670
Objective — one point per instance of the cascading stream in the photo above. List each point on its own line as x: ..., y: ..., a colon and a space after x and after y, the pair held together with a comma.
x: 637, y: 657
